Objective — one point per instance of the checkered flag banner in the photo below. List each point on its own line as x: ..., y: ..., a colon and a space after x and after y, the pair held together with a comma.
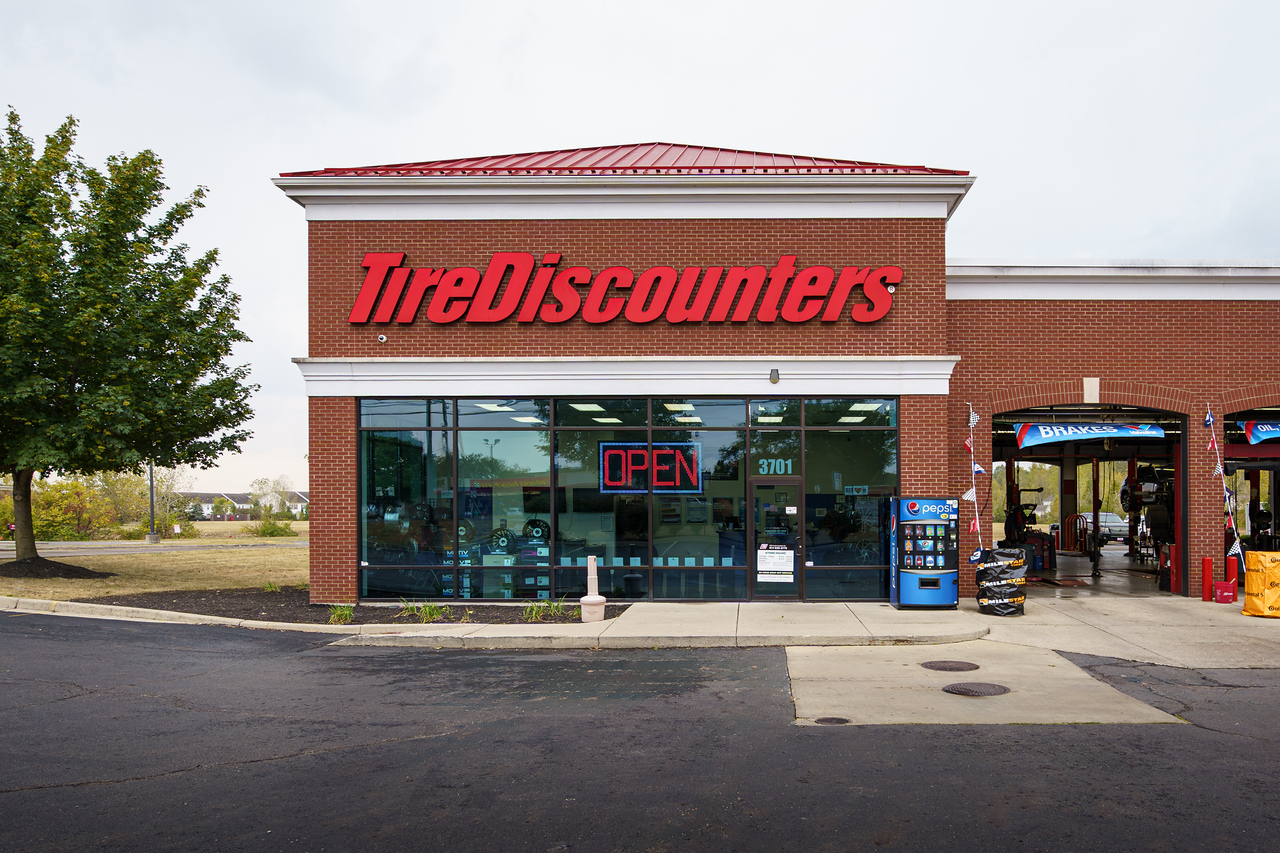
x: 1217, y: 471
x: 971, y: 495
x: 973, y: 418
x: 1235, y: 549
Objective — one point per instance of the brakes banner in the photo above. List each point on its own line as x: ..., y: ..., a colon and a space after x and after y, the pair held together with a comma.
x: 1260, y: 430
x: 1033, y: 435
x: 516, y: 286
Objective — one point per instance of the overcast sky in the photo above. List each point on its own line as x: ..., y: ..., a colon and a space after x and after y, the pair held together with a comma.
x: 1095, y: 129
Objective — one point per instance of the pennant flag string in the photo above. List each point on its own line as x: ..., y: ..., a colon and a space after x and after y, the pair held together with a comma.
x: 972, y: 494
x: 1227, y: 494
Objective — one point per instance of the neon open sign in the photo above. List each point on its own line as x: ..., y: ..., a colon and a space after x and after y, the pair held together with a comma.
x: 672, y: 467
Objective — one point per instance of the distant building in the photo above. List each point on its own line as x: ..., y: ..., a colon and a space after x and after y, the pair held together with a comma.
x: 243, y: 503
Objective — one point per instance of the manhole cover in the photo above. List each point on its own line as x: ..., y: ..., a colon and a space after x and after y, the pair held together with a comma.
x: 950, y: 665
x: 831, y: 721
x: 976, y: 688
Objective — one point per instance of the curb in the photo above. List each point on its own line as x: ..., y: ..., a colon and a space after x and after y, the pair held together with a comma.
x: 481, y: 636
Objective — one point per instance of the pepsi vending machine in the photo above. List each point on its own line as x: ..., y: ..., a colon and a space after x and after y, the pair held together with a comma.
x: 924, y: 552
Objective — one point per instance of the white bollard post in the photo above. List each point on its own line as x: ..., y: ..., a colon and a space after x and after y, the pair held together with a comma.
x: 593, y: 602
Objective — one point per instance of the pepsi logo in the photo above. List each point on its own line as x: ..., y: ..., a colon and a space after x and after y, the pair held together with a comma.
x: 913, y: 507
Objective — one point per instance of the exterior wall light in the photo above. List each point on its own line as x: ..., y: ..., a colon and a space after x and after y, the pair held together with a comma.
x: 773, y: 376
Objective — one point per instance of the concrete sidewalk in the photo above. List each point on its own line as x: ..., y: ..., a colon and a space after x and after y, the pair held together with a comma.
x: 1161, y: 629
x: 643, y: 625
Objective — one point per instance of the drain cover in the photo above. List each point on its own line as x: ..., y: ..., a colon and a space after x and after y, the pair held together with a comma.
x: 950, y: 665
x: 976, y: 688
x: 831, y: 721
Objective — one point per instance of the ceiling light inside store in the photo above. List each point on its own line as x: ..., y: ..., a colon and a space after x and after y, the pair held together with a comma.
x: 769, y: 419
x: 693, y: 419
x: 607, y: 420
x: 848, y: 420
x: 527, y: 419
x: 866, y: 407
x: 494, y: 407
x: 587, y: 407
x: 678, y: 407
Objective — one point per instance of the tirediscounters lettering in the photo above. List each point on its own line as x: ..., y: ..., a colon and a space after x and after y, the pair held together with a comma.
x: 394, y: 293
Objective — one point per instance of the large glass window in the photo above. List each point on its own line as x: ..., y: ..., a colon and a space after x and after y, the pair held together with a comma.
x: 504, y: 492
x: 696, y: 414
x: 855, y: 412
x: 507, y: 498
x: 602, y: 501
x: 850, y: 475
x: 602, y: 413
x: 407, y: 498
x: 704, y: 528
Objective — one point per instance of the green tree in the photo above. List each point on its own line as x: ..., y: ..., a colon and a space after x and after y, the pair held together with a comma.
x: 223, y: 507
x: 113, y: 344
x: 69, y: 509
x: 127, y: 494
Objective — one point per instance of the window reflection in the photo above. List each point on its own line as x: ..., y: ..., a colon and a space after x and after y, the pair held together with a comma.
x: 407, y: 494
x: 609, y: 523
x: 504, y: 487
x: 705, y: 529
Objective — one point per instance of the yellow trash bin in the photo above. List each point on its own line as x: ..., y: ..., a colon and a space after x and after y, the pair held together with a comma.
x: 1262, y: 583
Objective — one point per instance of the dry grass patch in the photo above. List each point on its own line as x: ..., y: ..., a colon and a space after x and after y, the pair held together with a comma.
x: 214, y: 568
x: 232, y: 529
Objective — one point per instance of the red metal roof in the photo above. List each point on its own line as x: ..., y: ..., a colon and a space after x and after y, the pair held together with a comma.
x: 651, y: 158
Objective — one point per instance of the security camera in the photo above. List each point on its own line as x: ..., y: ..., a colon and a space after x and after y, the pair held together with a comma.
x: 382, y: 339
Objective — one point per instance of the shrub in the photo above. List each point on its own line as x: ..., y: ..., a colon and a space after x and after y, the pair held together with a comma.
x: 269, y: 527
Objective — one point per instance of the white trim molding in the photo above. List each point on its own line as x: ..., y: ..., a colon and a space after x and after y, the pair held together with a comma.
x: 627, y: 197
x: 624, y: 377
x: 1095, y: 281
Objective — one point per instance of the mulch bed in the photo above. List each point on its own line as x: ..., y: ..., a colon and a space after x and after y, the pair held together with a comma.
x: 294, y: 605
x: 38, y: 568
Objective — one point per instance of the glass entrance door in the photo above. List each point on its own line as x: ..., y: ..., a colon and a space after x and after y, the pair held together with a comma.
x: 777, y: 546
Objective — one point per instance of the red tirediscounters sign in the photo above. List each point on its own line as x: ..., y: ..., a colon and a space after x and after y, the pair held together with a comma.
x: 394, y: 293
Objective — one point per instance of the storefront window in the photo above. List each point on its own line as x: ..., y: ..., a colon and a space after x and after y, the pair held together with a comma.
x: 407, y: 495
x: 511, y: 499
x: 499, y: 414
x: 504, y: 491
x: 775, y: 453
x: 850, y: 476
x: 696, y: 414
x: 602, y: 501
x: 602, y: 413
x: 405, y: 414
x: 771, y: 413
x: 703, y: 529
x: 851, y: 412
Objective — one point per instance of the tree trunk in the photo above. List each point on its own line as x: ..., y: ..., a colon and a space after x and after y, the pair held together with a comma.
x: 24, y: 537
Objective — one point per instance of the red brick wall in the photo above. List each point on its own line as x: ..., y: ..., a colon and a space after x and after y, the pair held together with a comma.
x: 1173, y: 356
x: 334, y: 500
x: 912, y: 327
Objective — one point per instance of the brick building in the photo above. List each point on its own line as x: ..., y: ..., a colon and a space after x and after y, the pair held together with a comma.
x: 667, y: 357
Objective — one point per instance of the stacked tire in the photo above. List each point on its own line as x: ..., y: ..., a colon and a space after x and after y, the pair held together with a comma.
x: 1002, y: 578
